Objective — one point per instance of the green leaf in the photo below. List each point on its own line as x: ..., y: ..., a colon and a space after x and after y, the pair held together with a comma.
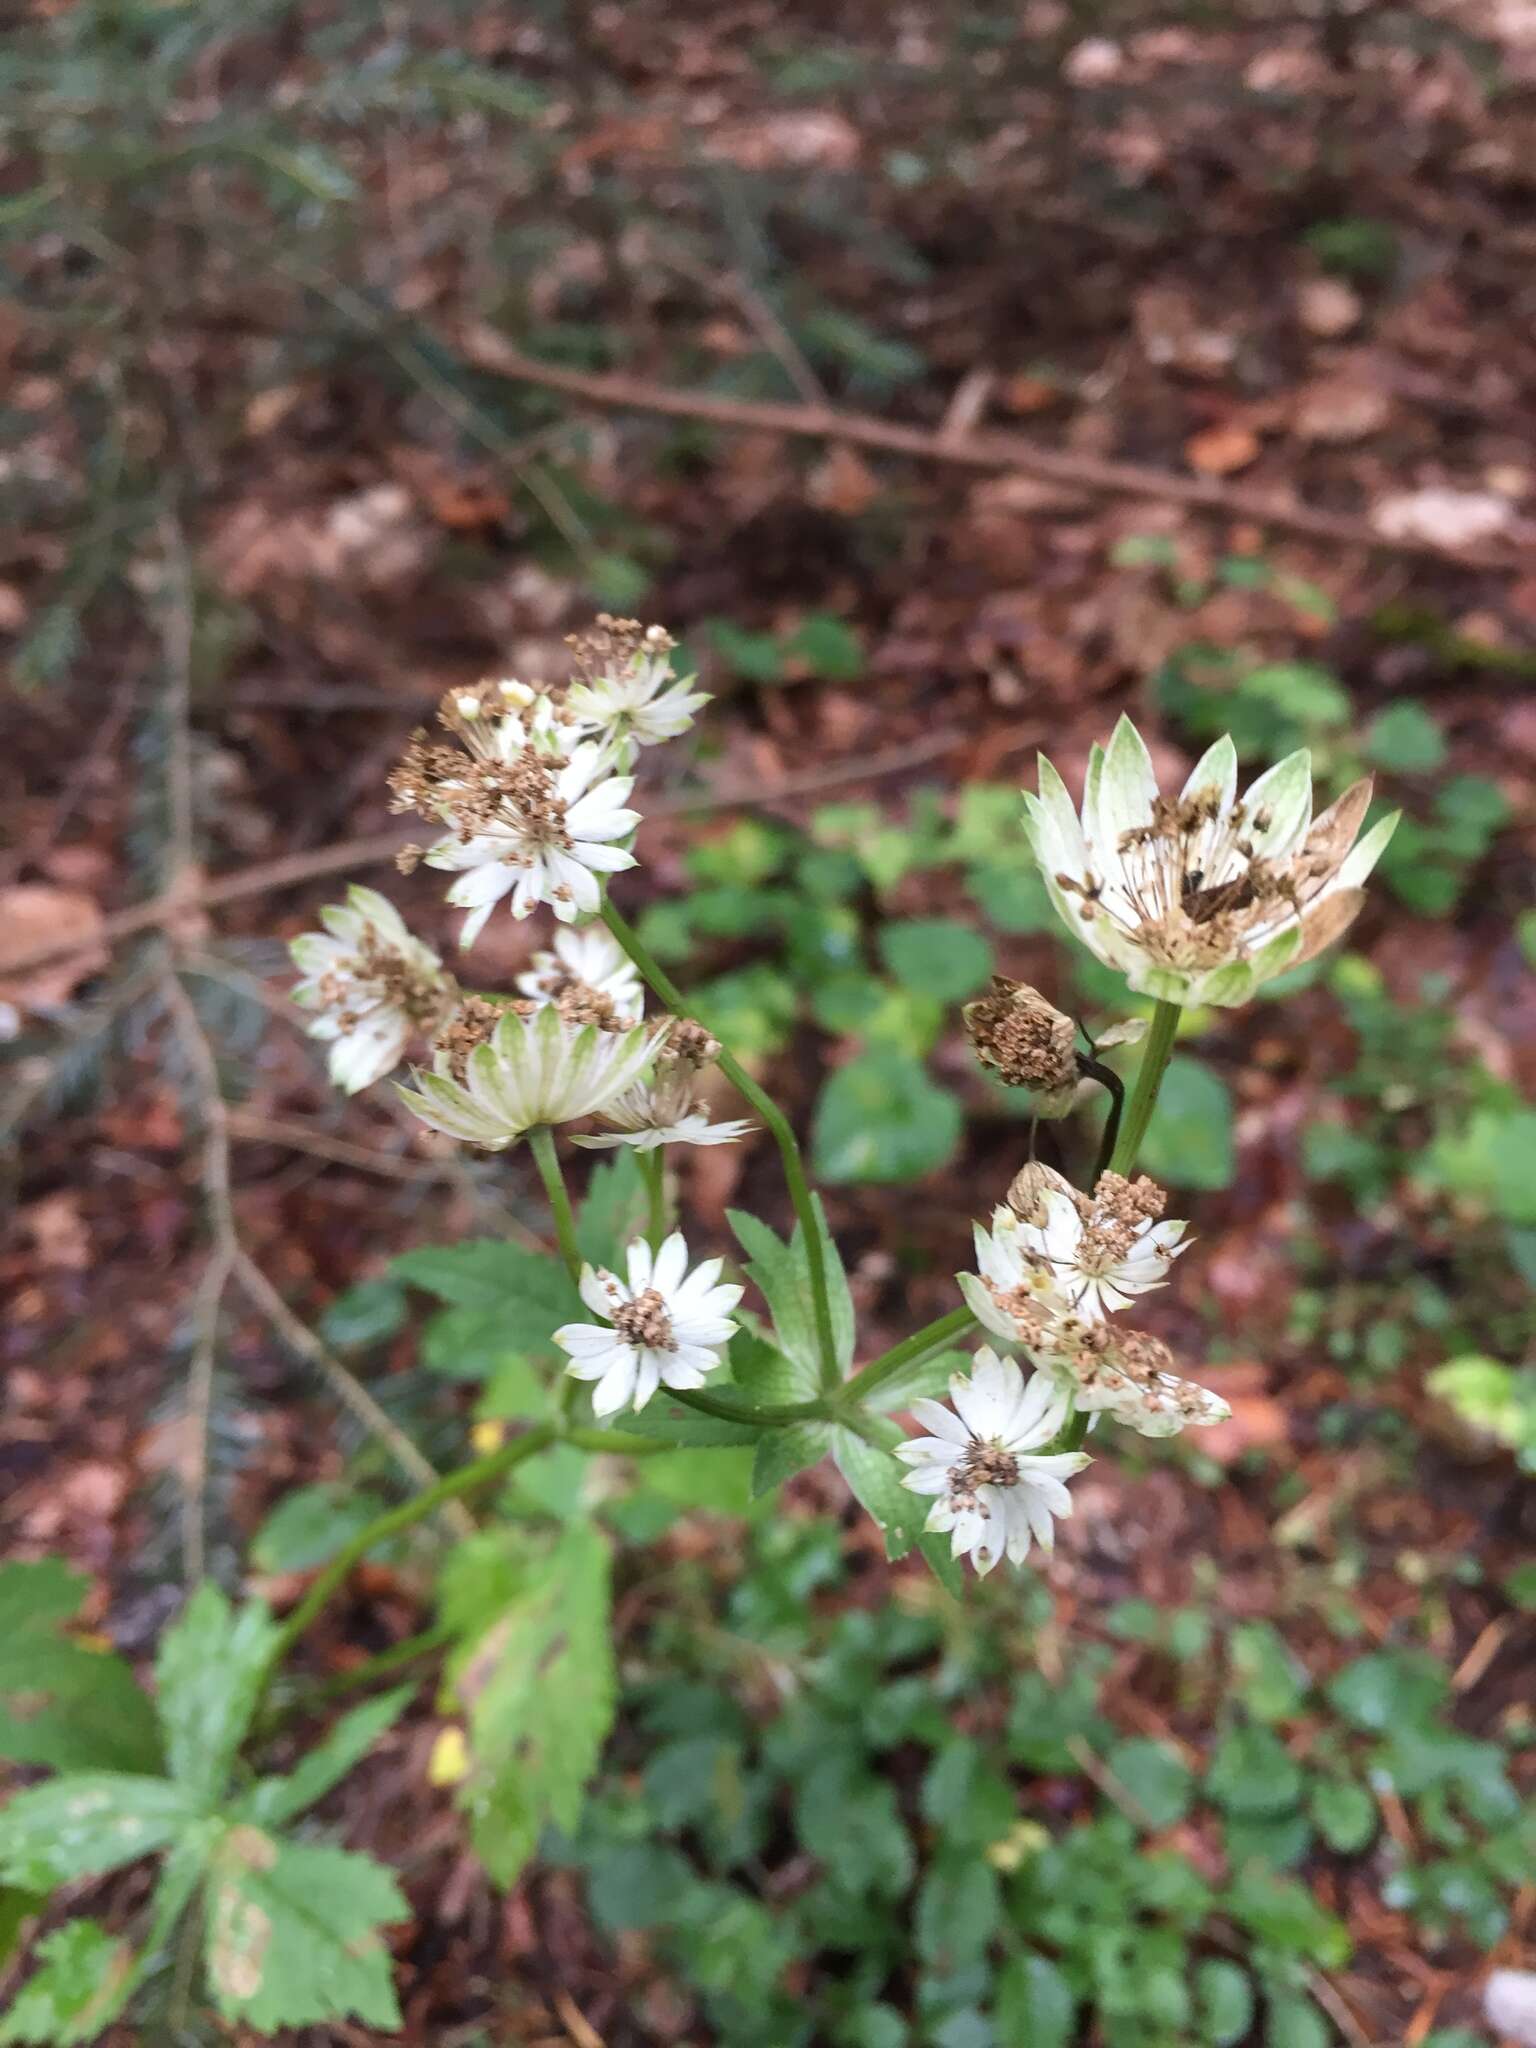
x: 309, y: 1525
x: 923, y: 1378
x: 1269, y: 1680
x: 365, y: 1315
x: 477, y: 1344
x: 755, y: 657
x: 538, y: 1690
x: 292, y: 1934
x: 86, y: 1822
x: 936, y: 956
x: 210, y: 1669
x: 1035, y: 2003
x: 829, y: 648
x: 531, y: 1290
x: 1157, y: 1778
x: 783, y: 1452
x: 874, y: 1477
x: 1345, y: 1814
x: 782, y: 1275
x: 717, y: 1481
x: 276, y: 1800
x: 1189, y: 1143
x: 63, y: 1703
x: 1405, y: 740
x: 1388, y: 1689
x: 1295, y: 2022
x: 667, y: 1421
x: 959, y: 1907
x: 1493, y: 1157
x: 84, y: 1976
x: 614, y: 1210
x: 1224, y: 1995
x: 1284, y: 1916
x: 881, y: 1118
x: 1253, y: 1776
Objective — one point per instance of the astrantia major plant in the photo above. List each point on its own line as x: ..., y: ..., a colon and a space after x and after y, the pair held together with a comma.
x: 650, y: 1344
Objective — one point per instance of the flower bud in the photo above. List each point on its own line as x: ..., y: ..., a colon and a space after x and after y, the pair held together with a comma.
x: 1020, y: 1037
x: 1027, y: 1189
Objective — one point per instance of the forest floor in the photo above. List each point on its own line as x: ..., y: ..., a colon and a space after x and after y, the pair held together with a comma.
x: 1280, y: 271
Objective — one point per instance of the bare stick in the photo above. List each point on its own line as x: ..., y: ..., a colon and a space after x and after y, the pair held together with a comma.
x: 377, y: 848
x: 490, y: 351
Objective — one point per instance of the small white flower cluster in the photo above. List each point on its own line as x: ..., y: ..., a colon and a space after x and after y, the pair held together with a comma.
x: 1053, y: 1267
x: 533, y: 784
x: 662, y: 1327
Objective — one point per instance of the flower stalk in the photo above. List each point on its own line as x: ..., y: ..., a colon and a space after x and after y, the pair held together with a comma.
x: 542, y: 1141
x: 662, y: 983
x: 1149, y: 1079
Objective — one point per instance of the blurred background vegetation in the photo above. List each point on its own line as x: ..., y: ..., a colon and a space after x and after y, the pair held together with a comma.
x: 1252, y: 1762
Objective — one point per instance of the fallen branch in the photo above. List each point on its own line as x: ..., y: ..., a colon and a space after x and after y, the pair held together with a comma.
x: 489, y: 351
x: 176, y: 906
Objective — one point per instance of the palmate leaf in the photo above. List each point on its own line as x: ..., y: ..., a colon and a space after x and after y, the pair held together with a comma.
x: 292, y: 1933
x: 211, y: 1667
x: 63, y: 1703
x: 537, y: 1688
x: 276, y: 1800
x: 924, y: 1378
x: 83, y: 1978
x: 875, y: 1479
x: 88, y: 1822
x: 783, y: 1452
x: 531, y: 1290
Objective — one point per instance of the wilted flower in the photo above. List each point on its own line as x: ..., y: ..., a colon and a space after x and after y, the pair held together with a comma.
x: 996, y: 1487
x: 624, y: 688
x: 374, y: 985
x: 1127, y: 1374
x: 500, y: 1071
x: 532, y: 815
x: 664, y: 1327
x: 586, y: 960
x: 1026, y: 1042
x: 1081, y: 1254
x: 664, y: 1109
x: 1202, y: 897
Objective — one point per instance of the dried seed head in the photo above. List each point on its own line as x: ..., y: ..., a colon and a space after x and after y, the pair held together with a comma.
x: 1025, y: 1041
x: 688, y: 1045
x: 473, y: 1023
x: 612, y: 644
x: 645, y: 1321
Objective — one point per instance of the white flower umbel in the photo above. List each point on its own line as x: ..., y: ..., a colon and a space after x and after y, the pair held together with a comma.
x: 1201, y: 897
x: 644, y: 1118
x: 1126, y: 1374
x: 373, y: 984
x: 533, y: 1068
x: 586, y: 958
x: 1084, y: 1255
x: 531, y: 816
x: 996, y: 1487
x: 665, y: 1109
x: 663, y: 1327
x: 625, y: 688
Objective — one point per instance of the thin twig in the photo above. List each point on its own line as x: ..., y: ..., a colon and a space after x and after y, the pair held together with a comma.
x: 176, y: 640
x: 208, y: 1301
x: 377, y: 848
x: 248, y: 1128
x: 490, y: 351
x: 345, y: 1385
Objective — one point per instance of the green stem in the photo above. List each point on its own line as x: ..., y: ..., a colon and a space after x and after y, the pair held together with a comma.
x: 1114, y: 1087
x: 724, y: 1409
x: 1073, y: 1431
x: 932, y: 1337
x: 542, y: 1139
x: 789, y: 1151
x: 1149, y: 1078
x: 653, y: 1171
x: 468, y: 1479
x: 616, y: 1443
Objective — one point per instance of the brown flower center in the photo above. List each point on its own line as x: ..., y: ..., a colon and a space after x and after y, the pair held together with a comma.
x: 982, y: 1465
x: 644, y: 1321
